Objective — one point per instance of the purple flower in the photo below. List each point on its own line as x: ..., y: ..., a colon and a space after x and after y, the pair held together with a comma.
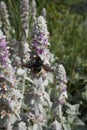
x: 40, y: 40
x: 40, y: 51
x: 62, y: 102
x: 6, y: 68
x: 3, y: 52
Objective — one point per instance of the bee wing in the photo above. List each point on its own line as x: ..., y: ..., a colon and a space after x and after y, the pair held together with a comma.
x: 35, y: 61
x: 28, y: 65
x: 47, y: 68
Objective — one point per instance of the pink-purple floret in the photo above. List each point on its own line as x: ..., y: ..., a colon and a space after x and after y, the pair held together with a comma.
x: 3, y: 52
x: 40, y: 39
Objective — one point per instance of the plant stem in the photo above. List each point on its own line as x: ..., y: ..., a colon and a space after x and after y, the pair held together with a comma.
x: 8, y: 126
x: 23, y: 89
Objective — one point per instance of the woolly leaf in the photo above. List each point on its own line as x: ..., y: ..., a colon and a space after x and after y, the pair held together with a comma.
x: 66, y: 126
x: 37, y: 127
x: 20, y: 126
x: 47, y: 98
x: 20, y: 72
x: 55, y: 126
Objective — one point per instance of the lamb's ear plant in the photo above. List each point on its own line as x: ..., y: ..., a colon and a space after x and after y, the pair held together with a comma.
x: 9, y: 32
x: 33, y: 10
x: 24, y: 14
x: 64, y: 114
x: 37, y: 98
x: 24, y: 11
x: 9, y: 93
x: 59, y: 96
x: 4, y: 16
x: 43, y: 12
x: 25, y: 50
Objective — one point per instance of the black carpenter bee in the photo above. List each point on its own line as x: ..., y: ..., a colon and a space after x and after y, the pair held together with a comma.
x: 36, y: 65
